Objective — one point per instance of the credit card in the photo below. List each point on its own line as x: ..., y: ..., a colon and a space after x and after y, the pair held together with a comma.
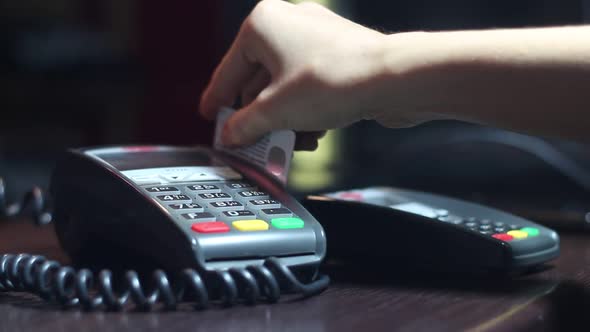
x: 273, y: 152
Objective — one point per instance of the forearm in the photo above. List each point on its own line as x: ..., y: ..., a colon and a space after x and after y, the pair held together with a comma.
x: 530, y: 80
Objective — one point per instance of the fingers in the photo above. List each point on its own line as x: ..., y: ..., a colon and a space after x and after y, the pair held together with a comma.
x: 277, y: 106
x: 241, y: 62
x: 247, y: 125
x: 228, y: 80
x: 264, y: 114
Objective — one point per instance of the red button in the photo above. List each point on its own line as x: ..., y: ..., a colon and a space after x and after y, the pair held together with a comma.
x: 210, y: 227
x: 503, y: 237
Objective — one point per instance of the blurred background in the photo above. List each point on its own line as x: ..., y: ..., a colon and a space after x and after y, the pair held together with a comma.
x: 76, y: 73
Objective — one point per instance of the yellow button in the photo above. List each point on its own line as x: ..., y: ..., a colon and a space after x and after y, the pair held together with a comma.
x: 252, y: 225
x: 518, y: 234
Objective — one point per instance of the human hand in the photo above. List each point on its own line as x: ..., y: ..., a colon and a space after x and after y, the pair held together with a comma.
x: 304, y: 68
x: 298, y: 67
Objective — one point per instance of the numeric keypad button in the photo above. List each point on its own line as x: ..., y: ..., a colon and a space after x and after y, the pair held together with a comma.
x: 263, y: 204
x: 275, y: 213
x: 239, y: 185
x: 174, y: 198
x: 159, y: 190
x: 198, y: 216
x: 485, y: 227
x: 186, y: 207
x: 210, y: 197
x: 237, y: 215
x: 225, y: 206
x: 204, y: 188
x: 500, y: 229
x: 252, y: 194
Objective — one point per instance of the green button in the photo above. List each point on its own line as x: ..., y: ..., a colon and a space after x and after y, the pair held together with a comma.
x: 531, y: 231
x: 287, y: 223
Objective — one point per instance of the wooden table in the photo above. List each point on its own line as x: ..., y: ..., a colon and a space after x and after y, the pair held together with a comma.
x: 555, y: 299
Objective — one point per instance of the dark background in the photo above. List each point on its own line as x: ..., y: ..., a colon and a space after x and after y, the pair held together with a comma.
x: 90, y: 72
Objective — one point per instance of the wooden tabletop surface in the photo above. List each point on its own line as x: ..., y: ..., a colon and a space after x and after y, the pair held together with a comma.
x: 556, y: 299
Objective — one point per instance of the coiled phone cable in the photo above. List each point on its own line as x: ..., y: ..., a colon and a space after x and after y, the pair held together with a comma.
x: 63, y: 284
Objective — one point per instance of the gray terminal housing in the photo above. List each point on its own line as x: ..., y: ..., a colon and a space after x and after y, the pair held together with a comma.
x: 101, y: 202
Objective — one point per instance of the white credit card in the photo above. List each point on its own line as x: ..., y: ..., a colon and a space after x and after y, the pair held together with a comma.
x: 273, y: 152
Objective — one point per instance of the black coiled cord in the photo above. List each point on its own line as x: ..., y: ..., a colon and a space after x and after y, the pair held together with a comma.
x: 54, y: 282
x: 68, y: 287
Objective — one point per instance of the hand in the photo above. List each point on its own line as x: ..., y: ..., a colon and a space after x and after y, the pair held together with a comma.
x: 304, y: 68
x: 298, y: 67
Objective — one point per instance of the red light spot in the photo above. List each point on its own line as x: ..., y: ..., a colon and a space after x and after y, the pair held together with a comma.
x: 503, y: 237
x: 351, y: 196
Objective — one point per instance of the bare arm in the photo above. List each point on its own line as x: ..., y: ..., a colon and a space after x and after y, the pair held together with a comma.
x: 532, y: 80
x: 305, y: 68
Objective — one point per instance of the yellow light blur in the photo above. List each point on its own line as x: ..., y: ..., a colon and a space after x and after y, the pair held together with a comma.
x: 326, y: 3
x: 313, y: 170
